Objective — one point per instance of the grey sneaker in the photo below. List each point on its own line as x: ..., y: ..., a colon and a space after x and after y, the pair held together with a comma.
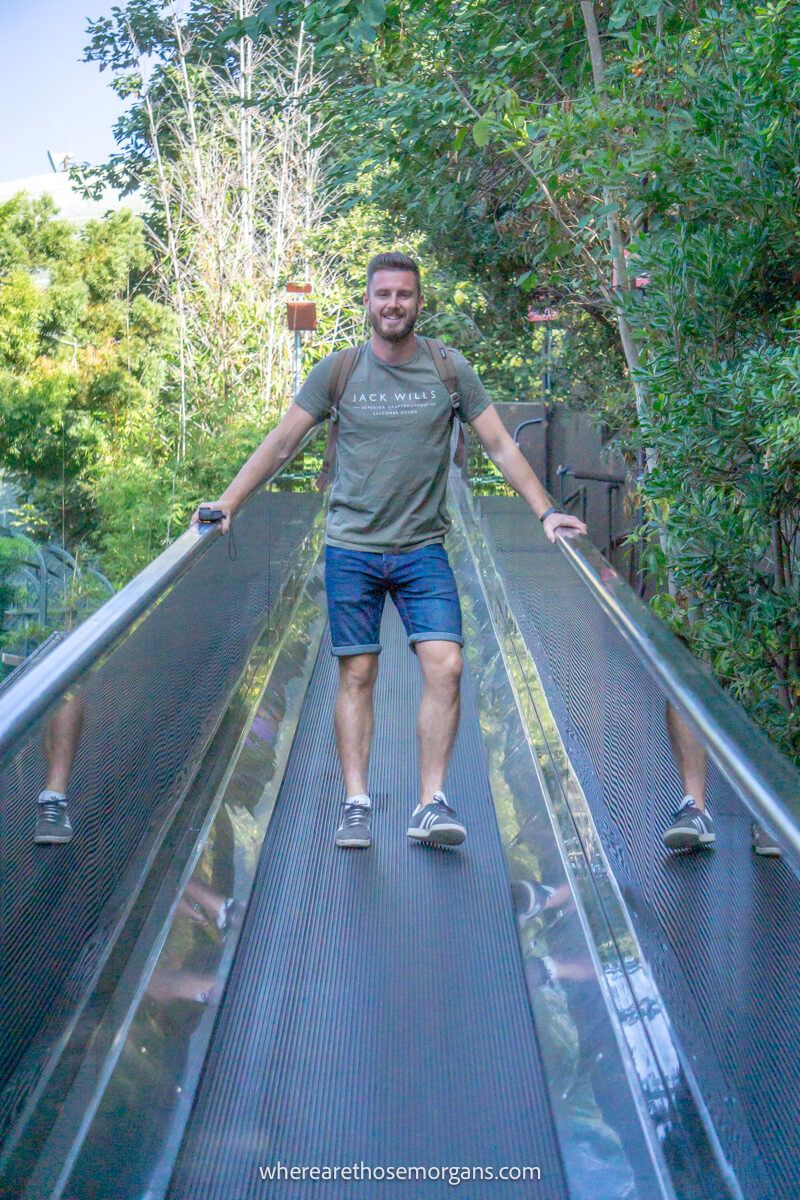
x: 52, y: 821
x: 436, y: 823
x: 355, y: 827
x: 764, y: 843
x: 691, y: 828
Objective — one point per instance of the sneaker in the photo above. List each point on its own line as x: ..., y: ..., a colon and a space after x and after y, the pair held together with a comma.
x: 436, y: 823
x: 690, y: 828
x: 764, y: 843
x: 355, y: 827
x: 52, y: 822
x: 230, y: 915
x: 530, y: 897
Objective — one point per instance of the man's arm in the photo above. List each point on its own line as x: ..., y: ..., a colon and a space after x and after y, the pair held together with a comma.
x: 277, y: 448
x: 515, y: 469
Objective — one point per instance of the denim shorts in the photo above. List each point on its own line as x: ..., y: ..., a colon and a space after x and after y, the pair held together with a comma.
x: 420, y: 583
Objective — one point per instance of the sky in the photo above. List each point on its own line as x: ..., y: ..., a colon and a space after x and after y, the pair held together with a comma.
x: 49, y: 99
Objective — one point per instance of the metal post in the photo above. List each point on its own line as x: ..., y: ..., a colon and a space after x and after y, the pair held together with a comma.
x: 611, y: 488
x: 548, y: 346
x: 296, y: 361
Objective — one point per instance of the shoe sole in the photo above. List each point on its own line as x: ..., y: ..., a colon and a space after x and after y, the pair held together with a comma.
x: 52, y: 839
x: 767, y: 851
x: 442, y: 835
x: 353, y: 843
x: 686, y: 840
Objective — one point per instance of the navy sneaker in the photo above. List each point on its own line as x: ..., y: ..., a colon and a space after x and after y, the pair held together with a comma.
x: 691, y: 828
x: 436, y: 823
x: 355, y: 827
x: 52, y: 821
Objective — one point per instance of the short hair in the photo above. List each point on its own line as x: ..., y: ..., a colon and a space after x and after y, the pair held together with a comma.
x: 392, y: 260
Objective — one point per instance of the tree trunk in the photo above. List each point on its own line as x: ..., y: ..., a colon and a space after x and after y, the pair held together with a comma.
x: 629, y: 347
x: 246, y: 140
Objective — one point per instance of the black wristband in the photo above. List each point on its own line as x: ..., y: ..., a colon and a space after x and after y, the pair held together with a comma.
x: 548, y: 513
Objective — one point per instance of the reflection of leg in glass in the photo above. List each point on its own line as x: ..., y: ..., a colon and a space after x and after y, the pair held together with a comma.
x: 692, y: 827
x: 165, y: 986
x: 61, y: 736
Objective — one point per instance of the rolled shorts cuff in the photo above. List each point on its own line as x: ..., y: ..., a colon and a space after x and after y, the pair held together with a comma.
x: 435, y: 637
x: 345, y: 651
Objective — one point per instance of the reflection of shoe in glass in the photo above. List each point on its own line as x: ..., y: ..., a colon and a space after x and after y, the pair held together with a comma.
x: 436, y: 823
x: 764, y: 843
x: 230, y: 914
x: 355, y: 827
x: 529, y: 897
x: 691, y: 828
x: 538, y: 971
x: 52, y: 821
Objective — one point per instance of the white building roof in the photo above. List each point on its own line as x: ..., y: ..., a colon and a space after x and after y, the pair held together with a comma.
x: 71, y: 205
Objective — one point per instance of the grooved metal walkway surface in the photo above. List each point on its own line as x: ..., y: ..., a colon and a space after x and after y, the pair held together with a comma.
x: 376, y: 1011
x: 139, y: 739
x: 720, y: 928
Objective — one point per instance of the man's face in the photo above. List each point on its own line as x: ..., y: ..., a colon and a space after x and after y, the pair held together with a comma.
x: 393, y: 304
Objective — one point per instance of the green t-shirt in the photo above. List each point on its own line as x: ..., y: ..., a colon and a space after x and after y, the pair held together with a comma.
x: 393, y: 448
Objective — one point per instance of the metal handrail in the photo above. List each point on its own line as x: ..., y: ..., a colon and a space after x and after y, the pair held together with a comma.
x: 523, y: 424
x: 25, y: 701
x: 45, y: 682
x: 764, y: 779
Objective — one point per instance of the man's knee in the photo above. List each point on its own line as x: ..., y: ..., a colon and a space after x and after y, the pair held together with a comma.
x: 442, y: 663
x: 358, y: 672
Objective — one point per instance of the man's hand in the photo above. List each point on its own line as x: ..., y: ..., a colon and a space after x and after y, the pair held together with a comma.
x: 225, y: 523
x: 560, y: 524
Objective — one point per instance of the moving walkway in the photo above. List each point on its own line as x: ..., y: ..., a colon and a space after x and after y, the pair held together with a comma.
x: 204, y: 999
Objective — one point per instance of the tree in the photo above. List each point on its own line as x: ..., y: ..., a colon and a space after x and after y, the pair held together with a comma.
x: 567, y: 141
x: 82, y: 352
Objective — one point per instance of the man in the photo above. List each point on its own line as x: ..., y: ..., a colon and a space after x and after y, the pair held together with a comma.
x: 386, y: 526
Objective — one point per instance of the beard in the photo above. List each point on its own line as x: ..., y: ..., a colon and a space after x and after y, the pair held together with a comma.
x: 394, y: 333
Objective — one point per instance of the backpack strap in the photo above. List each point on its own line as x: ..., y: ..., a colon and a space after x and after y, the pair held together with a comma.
x: 446, y: 370
x: 341, y: 370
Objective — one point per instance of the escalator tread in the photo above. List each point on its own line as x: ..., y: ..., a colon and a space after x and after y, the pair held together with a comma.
x: 376, y: 1011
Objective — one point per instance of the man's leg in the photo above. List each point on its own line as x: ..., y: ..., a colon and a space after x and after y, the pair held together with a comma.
x: 439, y: 712
x: 424, y: 591
x: 353, y: 719
x: 433, y: 820
x: 61, y: 737
x: 690, y: 757
x: 356, y: 589
x: 692, y: 827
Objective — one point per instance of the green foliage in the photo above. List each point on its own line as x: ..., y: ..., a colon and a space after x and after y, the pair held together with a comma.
x: 485, y: 128
x: 14, y: 551
x: 724, y: 420
x: 81, y: 366
x: 476, y: 137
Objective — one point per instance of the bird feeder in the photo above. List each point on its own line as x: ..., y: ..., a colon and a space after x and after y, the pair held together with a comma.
x: 301, y: 311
